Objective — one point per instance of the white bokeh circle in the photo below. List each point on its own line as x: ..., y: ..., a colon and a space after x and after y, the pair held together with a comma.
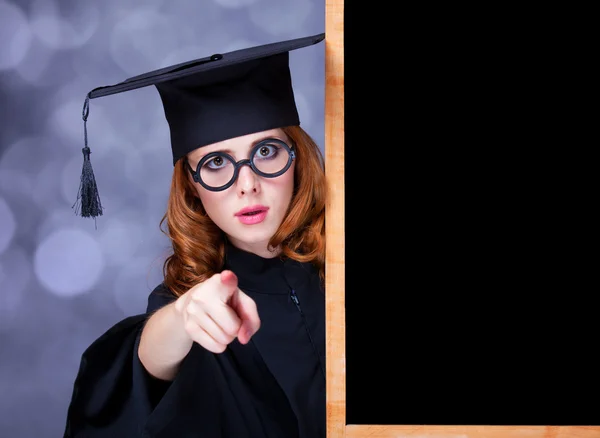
x: 59, y: 32
x: 144, y: 35
x: 33, y: 68
x: 15, y: 35
x: 68, y: 262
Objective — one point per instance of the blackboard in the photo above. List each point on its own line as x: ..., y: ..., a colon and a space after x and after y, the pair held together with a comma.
x: 437, y: 324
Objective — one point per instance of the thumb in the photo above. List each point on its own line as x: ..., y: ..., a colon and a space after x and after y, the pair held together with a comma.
x: 245, y: 307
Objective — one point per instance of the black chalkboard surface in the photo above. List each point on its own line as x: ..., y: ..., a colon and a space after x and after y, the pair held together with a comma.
x: 465, y: 301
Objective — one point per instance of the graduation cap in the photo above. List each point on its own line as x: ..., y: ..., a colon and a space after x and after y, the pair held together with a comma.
x: 208, y: 100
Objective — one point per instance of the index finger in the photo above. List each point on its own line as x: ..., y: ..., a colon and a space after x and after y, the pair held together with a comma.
x: 227, y: 285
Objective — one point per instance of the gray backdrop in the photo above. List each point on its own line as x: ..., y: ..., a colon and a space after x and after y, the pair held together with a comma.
x: 63, y: 281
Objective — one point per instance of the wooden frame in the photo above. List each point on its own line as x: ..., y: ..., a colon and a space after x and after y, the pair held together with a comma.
x: 335, y: 281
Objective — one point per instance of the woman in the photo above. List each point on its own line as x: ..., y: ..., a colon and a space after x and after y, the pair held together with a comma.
x: 233, y: 341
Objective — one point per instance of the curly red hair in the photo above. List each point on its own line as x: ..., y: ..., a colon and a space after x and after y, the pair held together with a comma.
x: 199, y: 245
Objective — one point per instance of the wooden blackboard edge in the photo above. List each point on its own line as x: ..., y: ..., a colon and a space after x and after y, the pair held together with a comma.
x: 334, y: 219
x: 387, y: 431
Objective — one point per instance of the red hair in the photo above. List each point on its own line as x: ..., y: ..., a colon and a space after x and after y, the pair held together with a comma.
x: 199, y: 245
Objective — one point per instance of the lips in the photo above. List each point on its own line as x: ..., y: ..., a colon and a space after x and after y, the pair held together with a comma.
x: 252, y: 215
x: 252, y: 210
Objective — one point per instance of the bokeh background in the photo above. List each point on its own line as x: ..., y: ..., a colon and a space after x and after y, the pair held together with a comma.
x: 64, y: 280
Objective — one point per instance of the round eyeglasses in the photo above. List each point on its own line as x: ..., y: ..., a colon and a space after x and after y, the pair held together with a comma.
x: 218, y: 171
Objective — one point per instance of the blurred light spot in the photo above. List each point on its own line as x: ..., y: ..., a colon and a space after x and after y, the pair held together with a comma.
x: 26, y: 213
x: 59, y: 32
x: 15, y: 275
x: 15, y: 35
x: 59, y: 218
x: 281, y: 17
x: 144, y: 36
x: 46, y: 188
x: 68, y: 262
x: 134, y: 283
x: 33, y: 67
x: 8, y: 227
x: 119, y: 241
x: 234, y: 4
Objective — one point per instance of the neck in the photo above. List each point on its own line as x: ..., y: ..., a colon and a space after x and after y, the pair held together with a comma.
x: 261, y: 249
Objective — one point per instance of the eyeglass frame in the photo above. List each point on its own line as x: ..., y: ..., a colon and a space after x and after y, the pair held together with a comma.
x: 238, y: 164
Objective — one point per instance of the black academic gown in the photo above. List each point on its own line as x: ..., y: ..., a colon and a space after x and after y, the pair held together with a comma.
x: 272, y: 387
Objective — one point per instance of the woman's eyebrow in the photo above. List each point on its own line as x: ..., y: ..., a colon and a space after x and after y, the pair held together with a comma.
x: 268, y: 137
x: 227, y: 151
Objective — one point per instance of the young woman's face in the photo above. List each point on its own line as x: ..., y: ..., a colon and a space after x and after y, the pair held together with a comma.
x: 251, y: 210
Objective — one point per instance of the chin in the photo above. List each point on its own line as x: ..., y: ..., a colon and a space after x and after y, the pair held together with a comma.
x: 252, y: 235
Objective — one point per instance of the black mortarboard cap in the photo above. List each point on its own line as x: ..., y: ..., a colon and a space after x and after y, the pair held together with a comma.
x: 210, y: 99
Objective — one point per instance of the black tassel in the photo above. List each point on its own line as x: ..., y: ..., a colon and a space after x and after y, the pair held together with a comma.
x: 88, y: 200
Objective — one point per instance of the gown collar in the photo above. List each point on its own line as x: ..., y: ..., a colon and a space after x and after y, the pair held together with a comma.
x: 277, y: 275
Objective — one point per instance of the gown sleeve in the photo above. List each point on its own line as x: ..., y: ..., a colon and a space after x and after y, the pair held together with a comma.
x: 230, y: 395
x: 113, y: 395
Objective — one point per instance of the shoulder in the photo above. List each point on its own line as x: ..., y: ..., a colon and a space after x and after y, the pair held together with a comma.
x: 159, y: 297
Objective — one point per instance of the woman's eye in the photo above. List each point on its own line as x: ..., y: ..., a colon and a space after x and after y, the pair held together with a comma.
x: 267, y: 151
x: 215, y: 163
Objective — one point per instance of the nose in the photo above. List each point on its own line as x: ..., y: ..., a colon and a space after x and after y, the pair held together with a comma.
x: 247, y: 181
